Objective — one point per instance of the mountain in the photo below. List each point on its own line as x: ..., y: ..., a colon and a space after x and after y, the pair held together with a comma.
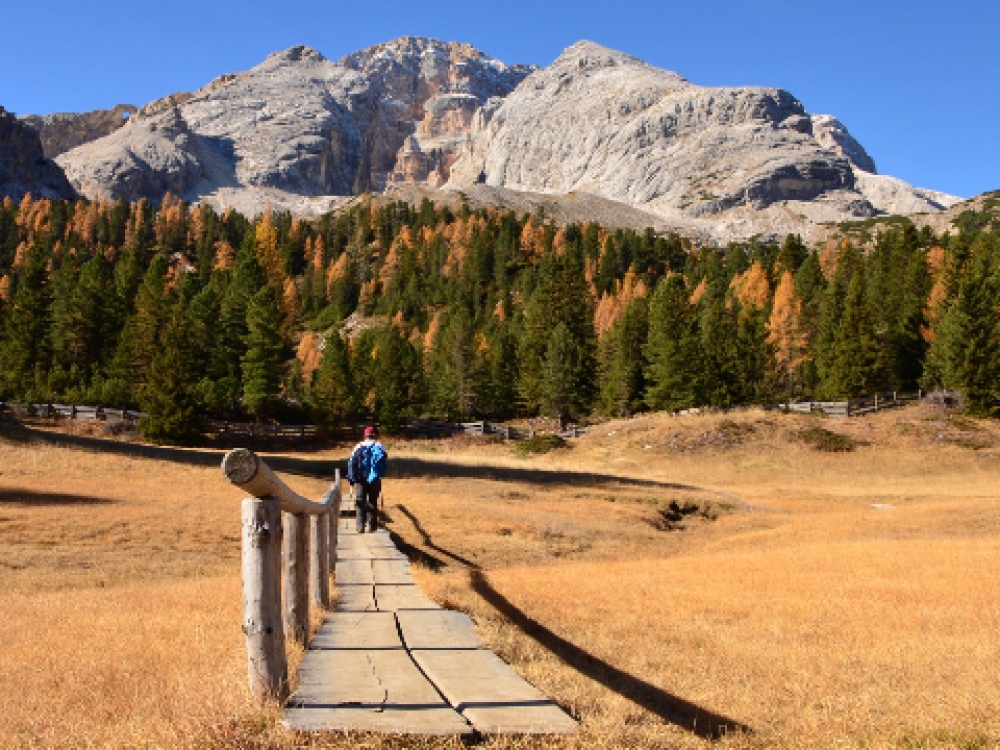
x: 23, y: 166
x: 64, y: 131
x: 299, y: 127
x: 727, y: 161
x: 445, y: 120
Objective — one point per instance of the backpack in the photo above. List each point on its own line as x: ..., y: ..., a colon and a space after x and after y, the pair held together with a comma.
x: 368, y: 463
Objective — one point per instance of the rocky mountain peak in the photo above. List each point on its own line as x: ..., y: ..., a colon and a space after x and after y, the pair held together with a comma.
x: 297, y: 53
x: 831, y: 134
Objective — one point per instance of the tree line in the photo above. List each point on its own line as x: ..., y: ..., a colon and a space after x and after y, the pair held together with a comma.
x: 386, y: 310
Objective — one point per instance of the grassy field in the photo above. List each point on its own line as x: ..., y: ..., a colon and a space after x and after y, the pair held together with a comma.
x: 755, y: 580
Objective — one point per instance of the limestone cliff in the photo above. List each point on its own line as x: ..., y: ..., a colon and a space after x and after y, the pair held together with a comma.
x: 299, y: 125
x: 64, y: 131
x: 23, y: 166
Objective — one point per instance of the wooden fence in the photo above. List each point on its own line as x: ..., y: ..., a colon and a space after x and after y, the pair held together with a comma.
x: 67, y: 411
x: 246, y: 429
x: 432, y: 428
x: 279, y: 525
x: 870, y: 405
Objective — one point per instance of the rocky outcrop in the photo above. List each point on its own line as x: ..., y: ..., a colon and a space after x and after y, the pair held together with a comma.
x: 23, y: 166
x: 147, y: 158
x: 831, y: 134
x: 604, y: 122
x: 301, y: 125
x: 64, y: 131
x: 748, y: 160
x: 890, y: 195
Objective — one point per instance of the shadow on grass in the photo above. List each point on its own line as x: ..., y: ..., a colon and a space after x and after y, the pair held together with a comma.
x: 671, y: 708
x: 407, y: 467
x: 17, y: 496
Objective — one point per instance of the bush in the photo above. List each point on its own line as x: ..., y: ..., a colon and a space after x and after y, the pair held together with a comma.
x: 826, y: 440
x: 540, y: 444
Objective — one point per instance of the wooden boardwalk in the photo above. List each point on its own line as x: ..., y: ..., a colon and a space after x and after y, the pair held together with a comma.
x: 390, y: 660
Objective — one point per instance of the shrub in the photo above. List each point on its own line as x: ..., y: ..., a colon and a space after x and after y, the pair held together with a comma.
x: 540, y: 444
x: 826, y: 440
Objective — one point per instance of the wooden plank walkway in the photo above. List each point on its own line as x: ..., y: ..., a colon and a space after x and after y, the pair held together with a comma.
x: 390, y: 660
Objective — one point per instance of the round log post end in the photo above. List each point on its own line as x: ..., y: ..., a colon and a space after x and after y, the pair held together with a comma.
x: 239, y: 465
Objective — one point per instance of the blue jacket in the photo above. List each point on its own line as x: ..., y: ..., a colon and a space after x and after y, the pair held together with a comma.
x: 369, y: 462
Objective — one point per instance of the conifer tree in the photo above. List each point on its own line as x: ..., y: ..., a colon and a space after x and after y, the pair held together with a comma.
x: 856, y: 361
x: 623, y: 362
x: 560, y: 394
x: 787, y: 333
x: 966, y: 347
x: 168, y: 397
x: 673, y: 349
x: 333, y: 396
x: 261, y: 364
x: 27, y: 346
x: 452, y: 368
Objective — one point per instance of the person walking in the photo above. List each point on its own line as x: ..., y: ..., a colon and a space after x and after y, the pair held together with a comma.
x: 369, y: 463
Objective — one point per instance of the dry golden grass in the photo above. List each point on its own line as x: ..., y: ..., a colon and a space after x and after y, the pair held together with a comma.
x: 803, y: 611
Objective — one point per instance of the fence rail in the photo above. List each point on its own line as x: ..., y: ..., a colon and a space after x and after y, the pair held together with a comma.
x: 287, y: 540
x: 870, y: 405
x: 66, y: 411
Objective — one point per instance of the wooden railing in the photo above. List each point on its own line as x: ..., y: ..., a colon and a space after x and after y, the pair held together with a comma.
x: 870, y: 405
x: 247, y: 429
x: 279, y: 524
x: 68, y: 411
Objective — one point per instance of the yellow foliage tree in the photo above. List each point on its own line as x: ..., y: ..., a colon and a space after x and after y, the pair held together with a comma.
x: 786, y: 333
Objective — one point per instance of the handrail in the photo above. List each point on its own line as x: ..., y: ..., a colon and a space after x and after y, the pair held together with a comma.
x: 281, y: 530
x: 247, y: 471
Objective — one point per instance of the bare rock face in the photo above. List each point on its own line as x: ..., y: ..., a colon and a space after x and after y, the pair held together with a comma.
x: 603, y: 122
x: 23, y: 165
x: 147, y: 158
x: 831, y: 134
x: 430, y: 90
x: 597, y: 129
x: 299, y: 124
x: 64, y: 131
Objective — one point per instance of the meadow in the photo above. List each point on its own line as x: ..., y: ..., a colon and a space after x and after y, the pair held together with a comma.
x: 751, y: 580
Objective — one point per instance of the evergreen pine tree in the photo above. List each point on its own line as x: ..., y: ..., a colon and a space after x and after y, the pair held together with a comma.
x: 560, y: 395
x: 966, y: 347
x: 623, y: 362
x: 673, y: 349
x: 333, y: 396
x: 168, y: 397
x: 261, y: 364
x: 27, y: 347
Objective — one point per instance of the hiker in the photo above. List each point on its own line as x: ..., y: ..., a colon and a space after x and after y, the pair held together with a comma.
x: 365, y: 470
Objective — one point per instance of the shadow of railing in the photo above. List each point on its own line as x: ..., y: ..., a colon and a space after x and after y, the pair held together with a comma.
x: 671, y: 708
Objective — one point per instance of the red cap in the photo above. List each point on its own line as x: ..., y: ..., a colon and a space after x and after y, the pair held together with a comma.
x: 369, y: 431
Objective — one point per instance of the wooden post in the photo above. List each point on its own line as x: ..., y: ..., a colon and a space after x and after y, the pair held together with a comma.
x: 262, y: 625
x: 319, y: 559
x: 297, y: 577
x: 876, y: 402
x: 335, y: 521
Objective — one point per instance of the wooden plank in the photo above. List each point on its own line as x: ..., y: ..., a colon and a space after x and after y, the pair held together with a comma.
x: 369, y: 691
x: 355, y: 598
x: 391, y: 571
x: 491, y: 695
x: 355, y: 571
x: 396, y: 597
x: 437, y: 629
x: 354, y: 630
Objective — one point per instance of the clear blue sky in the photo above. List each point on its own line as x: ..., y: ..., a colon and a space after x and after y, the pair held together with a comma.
x: 916, y: 82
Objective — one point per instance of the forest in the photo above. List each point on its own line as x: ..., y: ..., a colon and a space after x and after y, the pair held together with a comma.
x: 384, y: 311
